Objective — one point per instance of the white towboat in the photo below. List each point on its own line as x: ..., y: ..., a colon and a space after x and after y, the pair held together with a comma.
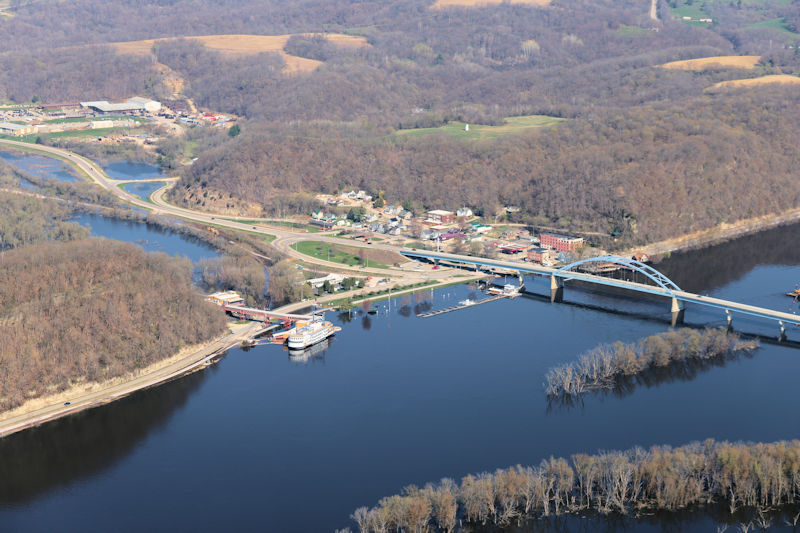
x: 312, y: 333
x: 466, y: 302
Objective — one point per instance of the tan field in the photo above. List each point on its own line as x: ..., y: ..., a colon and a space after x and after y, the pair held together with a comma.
x: 443, y: 4
x: 704, y: 63
x: 763, y: 80
x: 247, y: 45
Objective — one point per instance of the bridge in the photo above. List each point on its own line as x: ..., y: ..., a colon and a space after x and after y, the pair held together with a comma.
x: 261, y: 315
x: 662, y: 285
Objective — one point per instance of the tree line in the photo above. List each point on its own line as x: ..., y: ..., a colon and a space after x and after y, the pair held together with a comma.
x: 647, y: 173
x: 604, y: 366
x: 747, y: 478
x: 90, y: 310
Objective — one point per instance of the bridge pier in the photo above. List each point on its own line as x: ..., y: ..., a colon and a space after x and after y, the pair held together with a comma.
x: 782, y: 336
x: 729, y: 319
x: 556, y: 289
x: 678, y: 310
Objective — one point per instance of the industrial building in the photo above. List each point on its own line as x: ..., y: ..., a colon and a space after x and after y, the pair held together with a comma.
x: 9, y: 128
x: 136, y: 104
x: 438, y: 216
x: 225, y: 298
x: 561, y: 243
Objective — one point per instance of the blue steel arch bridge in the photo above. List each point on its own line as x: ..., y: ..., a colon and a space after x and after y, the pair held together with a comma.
x: 660, y: 284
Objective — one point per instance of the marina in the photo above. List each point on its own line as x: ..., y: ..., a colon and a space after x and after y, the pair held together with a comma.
x: 463, y: 304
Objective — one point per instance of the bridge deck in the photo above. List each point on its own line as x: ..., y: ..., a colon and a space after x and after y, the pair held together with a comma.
x: 261, y: 314
x: 540, y: 270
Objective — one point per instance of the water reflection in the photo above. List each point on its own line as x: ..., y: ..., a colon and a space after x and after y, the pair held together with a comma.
x: 709, y: 268
x: 57, y: 454
x: 685, y: 370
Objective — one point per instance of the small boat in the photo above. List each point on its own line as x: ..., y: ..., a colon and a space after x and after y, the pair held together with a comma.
x: 794, y: 294
x: 466, y: 302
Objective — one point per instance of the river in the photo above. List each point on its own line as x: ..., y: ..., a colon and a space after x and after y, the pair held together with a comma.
x: 263, y: 442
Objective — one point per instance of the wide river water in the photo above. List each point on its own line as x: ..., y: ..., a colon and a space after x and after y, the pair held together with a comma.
x: 262, y: 442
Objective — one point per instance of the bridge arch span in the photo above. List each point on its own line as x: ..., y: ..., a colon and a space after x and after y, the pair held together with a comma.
x: 651, y: 273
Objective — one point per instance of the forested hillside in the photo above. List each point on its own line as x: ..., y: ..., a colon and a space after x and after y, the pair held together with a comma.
x: 91, y: 310
x: 647, y: 152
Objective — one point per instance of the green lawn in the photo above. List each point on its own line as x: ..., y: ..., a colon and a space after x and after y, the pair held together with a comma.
x: 100, y: 132
x: 89, y: 119
x: 345, y: 255
x: 775, y: 24
x: 632, y: 31
x: 282, y: 223
x: 512, y: 125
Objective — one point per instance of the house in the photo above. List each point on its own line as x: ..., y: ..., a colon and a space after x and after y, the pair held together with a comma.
x: 641, y: 257
x: 512, y: 209
x: 561, y: 243
x: 438, y: 216
x: 426, y: 235
x: 464, y: 212
x: 395, y: 230
x: 480, y: 228
x: 317, y: 214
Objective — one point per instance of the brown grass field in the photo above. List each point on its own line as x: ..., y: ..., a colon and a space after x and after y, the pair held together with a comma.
x: 763, y: 80
x: 704, y: 63
x: 444, y: 4
x: 247, y: 45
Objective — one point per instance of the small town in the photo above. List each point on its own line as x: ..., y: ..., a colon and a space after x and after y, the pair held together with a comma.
x: 399, y: 266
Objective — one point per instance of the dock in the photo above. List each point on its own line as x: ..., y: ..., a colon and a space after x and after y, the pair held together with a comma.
x: 457, y: 307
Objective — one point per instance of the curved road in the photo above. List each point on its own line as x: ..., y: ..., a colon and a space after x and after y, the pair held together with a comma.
x: 199, y: 358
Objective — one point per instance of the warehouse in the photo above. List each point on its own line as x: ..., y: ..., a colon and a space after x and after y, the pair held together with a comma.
x: 9, y: 128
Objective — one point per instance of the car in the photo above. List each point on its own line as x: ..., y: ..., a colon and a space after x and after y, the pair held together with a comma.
x: 255, y: 227
x: 67, y: 403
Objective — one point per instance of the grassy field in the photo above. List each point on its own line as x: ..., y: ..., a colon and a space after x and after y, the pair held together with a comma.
x: 345, y: 255
x: 686, y: 10
x: 775, y: 24
x: 513, y: 125
x: 442, y: 4
x: 754, y: 82
x: 248, y: 45
x: 282, y: 223
x: 89, y: 119
x: 704, y: 63
x: 100, y: 132
x: 632, y: 31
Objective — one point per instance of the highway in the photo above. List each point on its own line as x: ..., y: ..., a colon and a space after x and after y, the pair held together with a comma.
x: 286, y: 238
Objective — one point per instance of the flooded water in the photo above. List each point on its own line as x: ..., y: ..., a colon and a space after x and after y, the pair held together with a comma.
x: 151, y: 238
x: 143, y: 190
x: 127, y: 170
x: 39, y: 166
x: 267, y: 442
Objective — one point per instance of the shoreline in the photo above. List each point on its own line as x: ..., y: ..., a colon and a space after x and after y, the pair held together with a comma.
x: 716, y: 235
x: 37, y: 411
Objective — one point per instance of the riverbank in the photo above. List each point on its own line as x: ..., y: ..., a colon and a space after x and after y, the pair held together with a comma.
x: 716, y: 235
x: 87, y: 395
